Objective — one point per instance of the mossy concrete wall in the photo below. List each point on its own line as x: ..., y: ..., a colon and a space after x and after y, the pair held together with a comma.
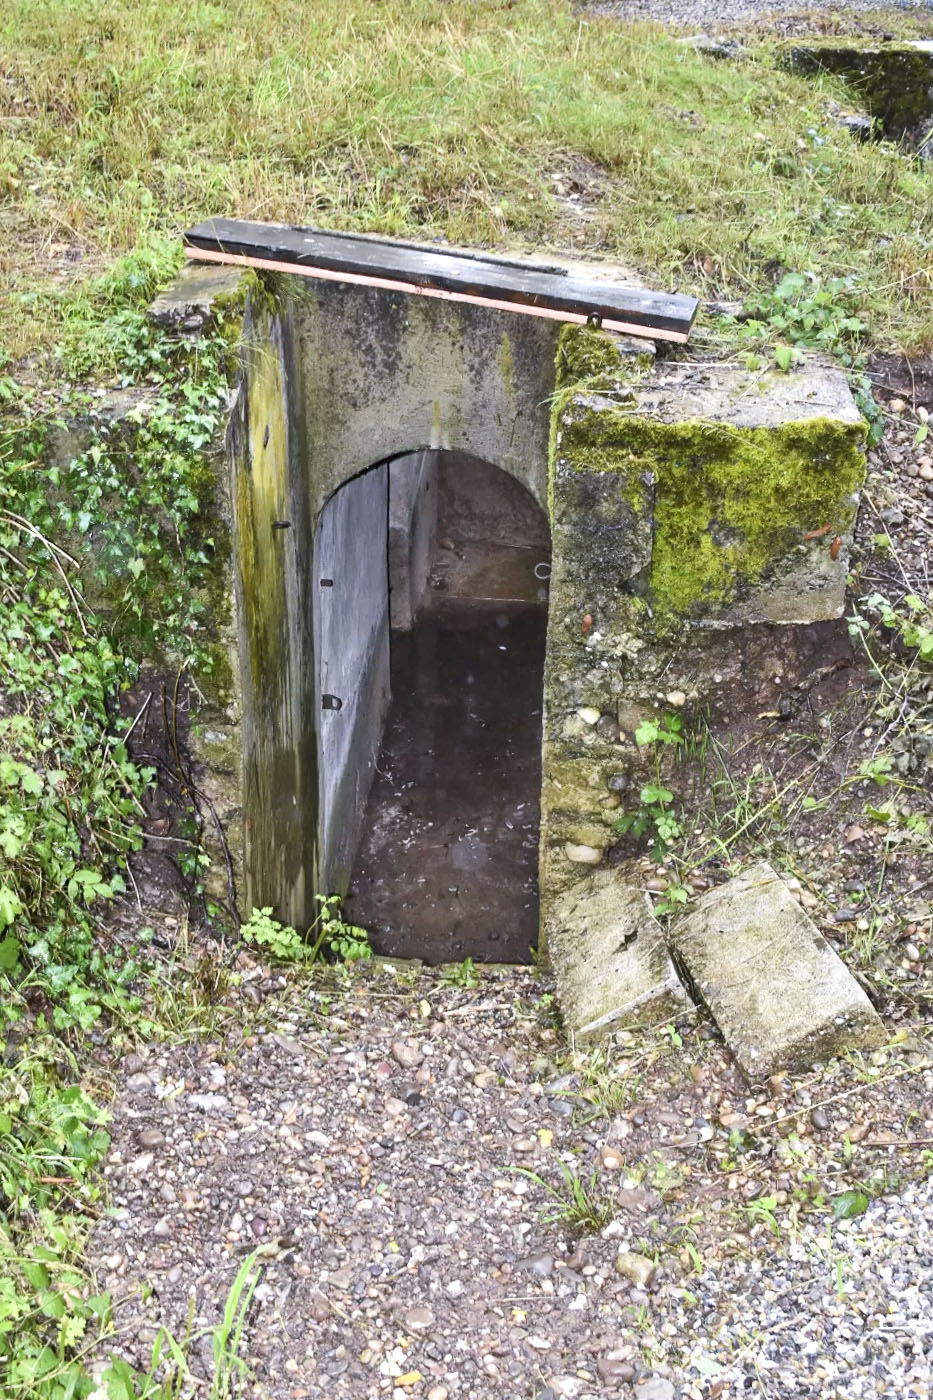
x: 686, y: 500
x: 893, y: 79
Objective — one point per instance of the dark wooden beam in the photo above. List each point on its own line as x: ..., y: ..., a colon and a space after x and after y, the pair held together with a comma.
x: 535, y: 289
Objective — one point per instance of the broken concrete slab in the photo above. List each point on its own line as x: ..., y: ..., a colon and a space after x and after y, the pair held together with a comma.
x: 189, y: 302
x: 611, y: 960
x: 777, y: 991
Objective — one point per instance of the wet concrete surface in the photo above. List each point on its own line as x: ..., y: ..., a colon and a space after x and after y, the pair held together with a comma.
x: 448, y: 866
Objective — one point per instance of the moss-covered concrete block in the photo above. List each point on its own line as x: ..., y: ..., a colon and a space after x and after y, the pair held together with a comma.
x: 755, y: 491
x: 777, y: 991
x: 893, y: 79
x: 611, y: 961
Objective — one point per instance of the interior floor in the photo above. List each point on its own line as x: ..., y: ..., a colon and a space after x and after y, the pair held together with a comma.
x: 448, y: 862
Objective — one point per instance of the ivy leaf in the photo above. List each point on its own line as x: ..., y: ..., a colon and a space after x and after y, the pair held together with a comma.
x: 655, y: 793
x: 10, y: 906
x: 849, y: 1204
x: 9, y: 953
x: 31, y: 781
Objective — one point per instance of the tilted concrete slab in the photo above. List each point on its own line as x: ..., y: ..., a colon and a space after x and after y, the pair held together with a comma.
x: 611, y: 961
x: 777, y: 991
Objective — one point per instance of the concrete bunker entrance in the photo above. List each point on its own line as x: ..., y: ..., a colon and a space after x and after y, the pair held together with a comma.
x: 685, y: 500
x: 430, y: 615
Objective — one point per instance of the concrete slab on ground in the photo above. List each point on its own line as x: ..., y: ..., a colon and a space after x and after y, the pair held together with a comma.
x: 610, y: 957
x: 777, y: 991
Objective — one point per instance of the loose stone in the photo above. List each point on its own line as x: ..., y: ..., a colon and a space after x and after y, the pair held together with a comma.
x: 408, y: 1056
x: 541, y: 1265
x: 636, y: 1268
x: 582, y: 855
x: 419, y: 1319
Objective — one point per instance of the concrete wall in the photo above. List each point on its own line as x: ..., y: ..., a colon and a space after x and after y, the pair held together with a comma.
x: 351, y: 630
x: 384, y: 373
x: 413, y: 504
x: 333, y: 380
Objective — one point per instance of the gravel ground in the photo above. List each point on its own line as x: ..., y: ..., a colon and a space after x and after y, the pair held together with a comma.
x: 713, y: 14
x: 362, y: 1136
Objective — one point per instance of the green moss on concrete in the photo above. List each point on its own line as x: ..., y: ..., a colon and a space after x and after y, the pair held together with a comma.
x: 895, y: 81
x: 577, y: 786
x: 732, y: 501
x: 590, y: 357
x: 594, y: 434
x: 728, y: 502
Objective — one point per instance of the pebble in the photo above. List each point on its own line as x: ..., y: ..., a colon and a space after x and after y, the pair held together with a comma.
x: 150, y: 1137
x: 209, y: 1103
x: 819, y: 1120
x: 638, y: 1269
x: 408, y: 1056
x: 438, y: 1392
x: 407, y: 1222
x: 582, y: 855
x: 655, y: 1388
x: 541, y: 1265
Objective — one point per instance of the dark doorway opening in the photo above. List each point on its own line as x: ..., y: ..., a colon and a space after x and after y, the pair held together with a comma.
x: 445, y: 861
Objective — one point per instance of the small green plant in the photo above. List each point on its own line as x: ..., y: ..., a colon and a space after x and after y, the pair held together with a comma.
x: 667, y: 730
x: 673, y: 899
x: 762, y: 1211
x: 576, y: 1204
x: 911, y: 621
x: 348, y: 942
x: 804, y: 312
x: 463, y: 974
x: 608, y: 1085
x: 168, y: 1377
x: 652, y: 818
x: 849, y: 1204
x: 280, y: 940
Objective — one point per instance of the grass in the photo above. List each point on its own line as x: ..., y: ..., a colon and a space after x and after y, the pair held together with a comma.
x: 576, y: 1204
x: 469, y: 121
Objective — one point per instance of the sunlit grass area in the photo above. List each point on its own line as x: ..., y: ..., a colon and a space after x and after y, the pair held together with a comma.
x: 480, y: 123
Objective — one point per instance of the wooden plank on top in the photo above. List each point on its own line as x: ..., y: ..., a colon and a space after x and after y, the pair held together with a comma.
x: 538, y: 289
